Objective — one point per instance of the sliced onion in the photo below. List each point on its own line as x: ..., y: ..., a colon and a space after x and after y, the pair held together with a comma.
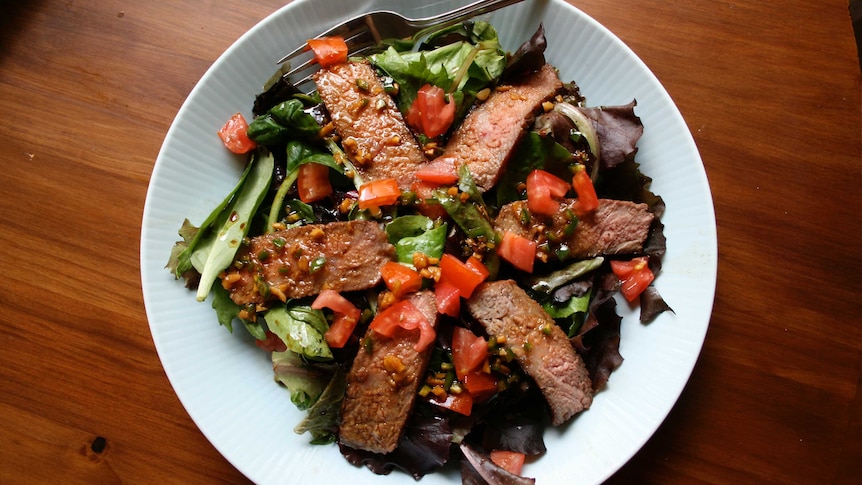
x: 585, y: 126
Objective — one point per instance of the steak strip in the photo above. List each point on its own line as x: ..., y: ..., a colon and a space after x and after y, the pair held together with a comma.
x: 615, y: 227
x: 540, y: 346
x: 372, y: 129
x: 303, y: 261
x: 489, y: 134
x: 382, y: 384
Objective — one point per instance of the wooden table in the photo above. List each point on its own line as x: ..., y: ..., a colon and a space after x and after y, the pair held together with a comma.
x: 770, y: 90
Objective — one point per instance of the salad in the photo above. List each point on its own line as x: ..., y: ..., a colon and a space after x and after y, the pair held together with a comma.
x: 429, y: 243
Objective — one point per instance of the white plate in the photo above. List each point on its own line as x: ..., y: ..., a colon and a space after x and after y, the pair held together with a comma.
x: 226, y: 383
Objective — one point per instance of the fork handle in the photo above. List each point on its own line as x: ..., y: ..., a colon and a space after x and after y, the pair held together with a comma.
x: 463, y: 13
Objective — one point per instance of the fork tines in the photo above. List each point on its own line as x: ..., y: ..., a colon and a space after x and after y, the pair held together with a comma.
x: 360, y: 37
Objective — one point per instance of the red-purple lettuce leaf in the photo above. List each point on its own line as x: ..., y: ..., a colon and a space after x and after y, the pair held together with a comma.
x: 618, y: 129
x: 652, y: 305
x: 515, y: 423
x: 529, y: 57
x: 478, y: 469
x: 598, y: 342
x: 423, y: 448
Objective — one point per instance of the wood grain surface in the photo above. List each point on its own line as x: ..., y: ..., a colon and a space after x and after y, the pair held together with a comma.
x: 770, y: 90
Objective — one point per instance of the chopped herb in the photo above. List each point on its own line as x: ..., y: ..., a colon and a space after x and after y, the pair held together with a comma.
x: 317, y: 264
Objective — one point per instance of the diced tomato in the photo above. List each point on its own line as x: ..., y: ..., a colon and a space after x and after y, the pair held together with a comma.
x: 404, y: 315
x: 334, y: 301
x: 543, y: 188
x: 272, y: 343
x: 478, y: 267
x: 518, y: 250
x: 312, y: 182
x: 556, y: 186
x: 469, y: 351
x: 587, y: 199
x: 400, y: 279
x: 539, y: 201
x: 329, y: 50
x: 460, y: 403
x: 234, y: 135
x: 634, y: 275
x: 379, y: 193
x: 340, y: 330
x: 481, y: 385
x: 440, y: 171
x: 388, y: 321
x: 460, y: 275
x: 448, y: 298
x: 432, y: 112
x: 511, y: 461
x: 424, y: 193
x: 427, y: 335
x: 469, y: 355
x: 346, y: 317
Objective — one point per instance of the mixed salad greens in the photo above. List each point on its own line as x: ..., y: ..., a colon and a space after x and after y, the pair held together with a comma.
x: 298, y: 173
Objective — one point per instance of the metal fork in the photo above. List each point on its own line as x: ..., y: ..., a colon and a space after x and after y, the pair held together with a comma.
x: 364, y: 33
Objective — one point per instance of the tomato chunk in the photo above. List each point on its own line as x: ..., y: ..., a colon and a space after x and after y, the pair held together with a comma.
x: 460, y: 275
x: 469, y: 351
x: 234, y: 135
x: 404, y: 315
x: 340, y: 330
x: 427, y: 335
x: 543, y: 188
x: 440, y: 171
x: 346, y: 317
x: 428, y: 206
x: 478, y: 267
x: 481, y: 385
x: 511, y: 461
x: 587, y: 199
x: 378, y: 193
x: 312, y: 182
x: 329, y: 50
x: 448, y: 298
x: 400, y: 279
x: 432, y: 112
x: 518, y: 250
x: 459, y: 403
x: 334, y: 301
x: 634, y: 275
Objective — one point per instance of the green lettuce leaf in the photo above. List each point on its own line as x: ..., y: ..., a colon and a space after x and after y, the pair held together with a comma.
x: 468, y: 216
x: 284, y: 121
x: 305, y: 381
x: 323, y: 416
x: 225, y: 308
x: 216, y: 252
x: 210, y: 248
x: 577, y: 304
x: 301, y: 328
x: 179, y: 263
x: 413, y: 233
x: 462, y: 68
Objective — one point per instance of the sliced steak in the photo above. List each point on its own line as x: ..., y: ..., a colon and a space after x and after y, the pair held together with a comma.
x: 372, y: 130
x: 615, y: 227
x: 489, y: 134
x: 302, y: 261
x: 382, y: 384
x: 539, y: 345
